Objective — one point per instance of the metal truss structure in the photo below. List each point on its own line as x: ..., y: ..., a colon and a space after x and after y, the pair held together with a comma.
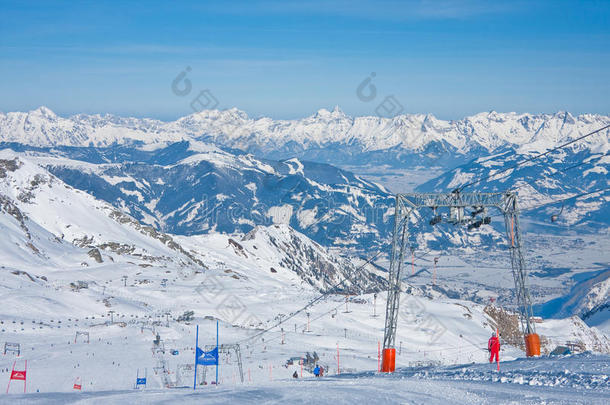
x: 408, y: 205
x: 12, y: 348
x: 82, y: 335
x: 227, y: 349
x: 181, y: 370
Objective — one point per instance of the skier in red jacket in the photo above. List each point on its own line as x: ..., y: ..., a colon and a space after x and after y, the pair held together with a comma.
x: 493, y: 345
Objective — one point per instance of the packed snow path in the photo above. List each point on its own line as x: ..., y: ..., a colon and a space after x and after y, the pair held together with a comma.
x: 573, y: 379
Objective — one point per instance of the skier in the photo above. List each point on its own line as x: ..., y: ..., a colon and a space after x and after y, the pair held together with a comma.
x: 295, y: 375
x: 493, y: 346
x: 316, y: 371
x: 321, y: 371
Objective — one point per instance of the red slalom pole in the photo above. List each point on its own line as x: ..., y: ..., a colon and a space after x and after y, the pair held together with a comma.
x: 301, y: 368
x: 338, y: 369
x: 378, y: 356
x: 11, y: 377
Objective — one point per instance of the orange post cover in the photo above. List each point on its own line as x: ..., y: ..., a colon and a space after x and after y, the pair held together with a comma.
x: 532, y: 345
x: 389, y: 360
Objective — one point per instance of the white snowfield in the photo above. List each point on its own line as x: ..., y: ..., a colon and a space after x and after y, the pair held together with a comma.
x: 582, y: 379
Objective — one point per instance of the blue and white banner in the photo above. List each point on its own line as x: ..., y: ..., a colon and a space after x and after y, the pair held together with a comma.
x: 207, y: 358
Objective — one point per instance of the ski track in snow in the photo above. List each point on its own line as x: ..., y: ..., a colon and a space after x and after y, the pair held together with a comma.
x: 579, y: 379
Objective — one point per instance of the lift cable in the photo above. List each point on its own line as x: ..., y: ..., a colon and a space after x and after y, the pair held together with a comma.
x: 301, y: 325
x: 319, y: 298
x: 533, y: 184
x: 559, y: 171
x: 532, y: 207
x: 310, y: 303
x: 516, y: 165
x: 459, y: 189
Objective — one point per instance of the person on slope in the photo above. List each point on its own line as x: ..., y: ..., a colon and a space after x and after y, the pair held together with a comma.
x: 295, y: 375
x: 316, y: 371
x: 493, y: 346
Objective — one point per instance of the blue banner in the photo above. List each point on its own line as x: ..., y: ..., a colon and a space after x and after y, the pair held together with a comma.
x: 207, y: 358
x: 140, y: 381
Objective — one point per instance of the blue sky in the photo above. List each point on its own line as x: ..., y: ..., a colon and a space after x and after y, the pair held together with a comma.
x: 287, y: 59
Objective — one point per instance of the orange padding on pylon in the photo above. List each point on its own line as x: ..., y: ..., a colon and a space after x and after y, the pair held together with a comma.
x: 389, y: 360
x: 532, y: 345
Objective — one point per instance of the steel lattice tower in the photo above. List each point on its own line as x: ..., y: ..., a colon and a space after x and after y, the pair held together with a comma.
x: 456, y: 202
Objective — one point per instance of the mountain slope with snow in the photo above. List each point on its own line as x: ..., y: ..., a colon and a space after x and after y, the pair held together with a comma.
x: 77, y: 217
x: 560, y: 380
x: 47, y: 221
x: 191, y: 177
x: 192, y: 188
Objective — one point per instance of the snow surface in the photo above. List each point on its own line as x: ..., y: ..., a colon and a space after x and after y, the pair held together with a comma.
x: 579, y: 379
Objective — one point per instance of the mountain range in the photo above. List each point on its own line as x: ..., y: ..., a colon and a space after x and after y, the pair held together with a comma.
x: 48, y: 225
x: 327, y: 136
x: 223, y: 173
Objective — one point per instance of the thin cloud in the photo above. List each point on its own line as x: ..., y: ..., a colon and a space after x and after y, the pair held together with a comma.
x: 390, y: 10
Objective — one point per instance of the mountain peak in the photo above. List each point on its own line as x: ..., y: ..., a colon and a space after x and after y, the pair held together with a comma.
x: 323, y: 113
x: 44, y: 111
x: 237, y: 112
x: 228, y: 114
x: 338, y: 111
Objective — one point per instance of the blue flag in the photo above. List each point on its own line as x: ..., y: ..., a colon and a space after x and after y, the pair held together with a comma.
x: 140, y: 381
x: 207, y: 358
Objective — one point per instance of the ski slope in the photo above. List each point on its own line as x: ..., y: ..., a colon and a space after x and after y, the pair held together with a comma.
x: 581, y: 379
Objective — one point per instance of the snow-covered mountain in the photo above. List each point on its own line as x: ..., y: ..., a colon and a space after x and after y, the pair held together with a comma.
x: 45, y: 222
x: 327, y: 136
x: 39, y: 208
x: 193, y: 188
x: 476, y: 145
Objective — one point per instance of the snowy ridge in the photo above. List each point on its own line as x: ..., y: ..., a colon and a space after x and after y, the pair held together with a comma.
x: 193, y: 188
x: 558, y: 176
x: 67, y: 219
x: 312, y: 262
x: 40, y: 200
x: 310, y: 136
